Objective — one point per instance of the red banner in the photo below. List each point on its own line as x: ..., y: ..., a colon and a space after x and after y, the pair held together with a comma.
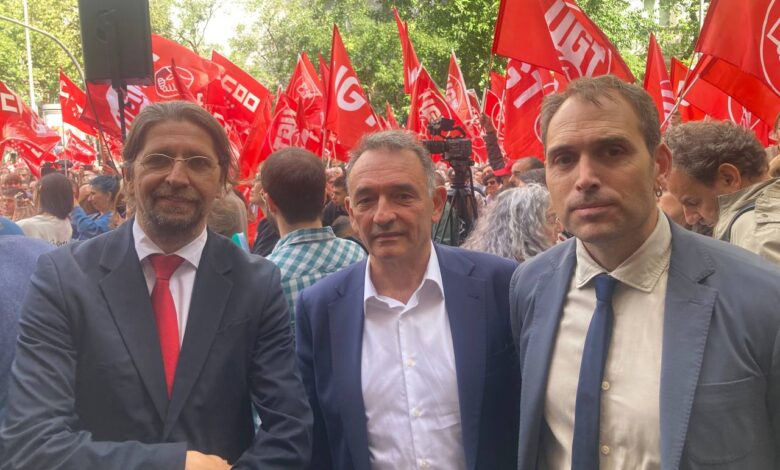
x: 565, y: 39
x: 72, y: 102
x: 194, y: 72
x: 457, y: 94
x: 103, y: 99
x: 349, y: 114
x: 19, y: 122
x: 526, y: 86
x: 412, y: 66
x: 78, y: 150
x: 657, y: 83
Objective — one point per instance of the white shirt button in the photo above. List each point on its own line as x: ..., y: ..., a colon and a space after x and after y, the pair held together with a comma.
x: 416, y: 412
x: 409, y: 363
x: 424, y: 463
x: 605, y: 450
x: 605, y: 385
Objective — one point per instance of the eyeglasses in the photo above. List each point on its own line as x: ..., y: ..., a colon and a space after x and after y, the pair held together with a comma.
x: 162, y: 162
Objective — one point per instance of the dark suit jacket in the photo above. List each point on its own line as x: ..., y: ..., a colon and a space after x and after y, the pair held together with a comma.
x: 88, y: 389
x: 18, y: 255
x: 329, y: 332
x: 720, y: 366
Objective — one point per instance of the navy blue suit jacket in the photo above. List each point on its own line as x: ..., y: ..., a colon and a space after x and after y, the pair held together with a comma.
x: 88, y: 388
x: 329, y: 338
x: 720, y: 365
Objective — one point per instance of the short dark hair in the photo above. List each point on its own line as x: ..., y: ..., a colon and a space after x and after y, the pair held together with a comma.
x: 699, y: 148
x: 340, y: 182
x: 594, y: 90
x: 535, y: 176
x: 395, y: 141
x: 179, y: 111
x: 55, y: 195
x: 294, y: 179
x: 107, y: 184
x: 12, y: 179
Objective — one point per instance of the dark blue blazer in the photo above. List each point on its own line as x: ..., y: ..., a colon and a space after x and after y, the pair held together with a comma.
x: 329, y: 338
x: 88, y: 388
x: 720, y: 365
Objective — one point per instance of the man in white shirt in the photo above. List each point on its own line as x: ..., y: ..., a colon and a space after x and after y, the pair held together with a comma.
x: 643, y: 345
x: 148, y: 347
x: 407, y: 358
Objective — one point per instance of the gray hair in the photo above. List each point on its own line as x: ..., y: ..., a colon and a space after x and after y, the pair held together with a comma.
x: 396, y: 141
x: 228, y: 215
x: 512, y: 226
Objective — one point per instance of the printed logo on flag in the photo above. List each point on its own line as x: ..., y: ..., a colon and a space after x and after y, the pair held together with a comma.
x: 770, y: 46
x: 165, y: 82
x: 348, y: 95
x: 136, y: 101
x: 741, y: 116
x: 581, y: 55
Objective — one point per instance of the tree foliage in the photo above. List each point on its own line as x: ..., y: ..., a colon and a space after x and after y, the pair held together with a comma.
x: 273, y: 32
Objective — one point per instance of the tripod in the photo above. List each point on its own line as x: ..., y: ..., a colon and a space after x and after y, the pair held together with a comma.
x: 460, y: 211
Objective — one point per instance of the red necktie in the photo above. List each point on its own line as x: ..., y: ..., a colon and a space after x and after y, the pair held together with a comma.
x: 165, y: 313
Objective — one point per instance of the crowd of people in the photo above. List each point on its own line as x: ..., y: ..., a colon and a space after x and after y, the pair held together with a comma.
x: 614, y: 306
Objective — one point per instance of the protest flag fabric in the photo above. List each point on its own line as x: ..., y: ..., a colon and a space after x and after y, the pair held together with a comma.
x: 457, y: 93
x: 429, y: 105
x: 348, y: 114
x: 102, y: 99
x: 390, y: 116
x: 324, y: 73
x: 565, y: 40
x: 252, y: 150
x: 657, y: 82
x: 497, y: 83
x: 77, y: 150
x: 193, y: 71
x: 304, y: 81
x: 20, y: 123
x: 31, y: 155
x: 306, y: 90
x: 235, y: 96
x: 412, y: 66
x: 72, y: 103
x: 679, y: 75
x: 526, y: 86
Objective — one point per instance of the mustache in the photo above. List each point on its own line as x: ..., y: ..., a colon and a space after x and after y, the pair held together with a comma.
x: 187, y: 194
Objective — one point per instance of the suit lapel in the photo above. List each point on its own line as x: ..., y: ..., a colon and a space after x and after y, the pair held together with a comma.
x: 551, y: 290
x: 688, y: 310
x: 345, y: 316
x: 465, y: 300
x: 210, y: 295
x: 127, y: 295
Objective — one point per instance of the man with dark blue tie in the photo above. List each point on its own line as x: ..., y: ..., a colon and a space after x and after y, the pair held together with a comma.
x: 643, y: 345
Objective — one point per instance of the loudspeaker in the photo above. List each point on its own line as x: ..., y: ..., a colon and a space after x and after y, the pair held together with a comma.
x: 117, y: 42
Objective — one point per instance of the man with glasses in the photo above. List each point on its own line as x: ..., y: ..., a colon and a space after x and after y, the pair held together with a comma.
x: 148, y: 347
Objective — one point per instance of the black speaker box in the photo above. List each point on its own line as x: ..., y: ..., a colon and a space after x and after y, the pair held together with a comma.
x: 116, y: 33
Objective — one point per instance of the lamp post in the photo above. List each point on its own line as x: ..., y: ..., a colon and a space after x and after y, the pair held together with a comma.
x: 29, y: 54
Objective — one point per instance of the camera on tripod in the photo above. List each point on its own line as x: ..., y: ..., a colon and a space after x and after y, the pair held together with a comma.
x: 459, y: 217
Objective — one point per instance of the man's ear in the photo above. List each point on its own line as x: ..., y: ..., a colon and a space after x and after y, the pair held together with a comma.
x: 352, y: 221
x: 728, y: 179
x: 439, y: 201
x: 127, y: 182
x: 663, y: 164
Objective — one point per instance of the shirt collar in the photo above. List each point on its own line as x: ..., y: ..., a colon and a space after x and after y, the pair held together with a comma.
x: 642, y: 269
x: 191, y: 252
x: 306, y: 235
x: 432, y: 277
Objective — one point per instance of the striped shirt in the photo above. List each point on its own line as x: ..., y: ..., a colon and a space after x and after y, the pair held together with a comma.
x: 307, y: 255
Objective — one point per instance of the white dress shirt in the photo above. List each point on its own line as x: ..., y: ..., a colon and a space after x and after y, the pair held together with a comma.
x: 630, y: 430
x: 182, y: 281
x: 410, y: 386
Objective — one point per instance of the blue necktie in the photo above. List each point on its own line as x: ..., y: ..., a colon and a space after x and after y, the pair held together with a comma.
x: 585, y: 447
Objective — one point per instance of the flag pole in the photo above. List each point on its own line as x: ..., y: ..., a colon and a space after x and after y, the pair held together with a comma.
x: 487, y: 84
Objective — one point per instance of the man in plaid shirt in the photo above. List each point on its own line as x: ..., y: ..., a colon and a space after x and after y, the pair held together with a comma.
x: 293, y: 180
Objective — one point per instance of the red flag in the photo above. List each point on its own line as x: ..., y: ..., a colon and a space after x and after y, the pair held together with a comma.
x: 252, y: 152
x: 78, y: 150
x: 31, y: 154
x: 304, y: 80
x: 746, y: 35
x: 72, y: 102
x: 324, y: 73
x: 565, y: 39
x: 679, y: 74
x: 306, y: 90
x: 391, y: 121
x: 412, y: 65
x: 349, y: 114
x: 657, y: 82
x: 428, y: 105
x: 526, y: 86
x: 19, y: 122
x: 704, y: 99
x: 103, y: 99
x: 457, y: 94
x: 194, y: 72
x: 750, y: 91
x: 235, y: 96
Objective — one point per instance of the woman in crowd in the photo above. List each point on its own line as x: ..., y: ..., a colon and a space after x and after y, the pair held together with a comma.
x: 517, y: 225
x: 103, y: 191
x: 53, y: 202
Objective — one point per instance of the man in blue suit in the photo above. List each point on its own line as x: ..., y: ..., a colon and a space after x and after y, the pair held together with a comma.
x: 407, y: 358
x: 642, y: 345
